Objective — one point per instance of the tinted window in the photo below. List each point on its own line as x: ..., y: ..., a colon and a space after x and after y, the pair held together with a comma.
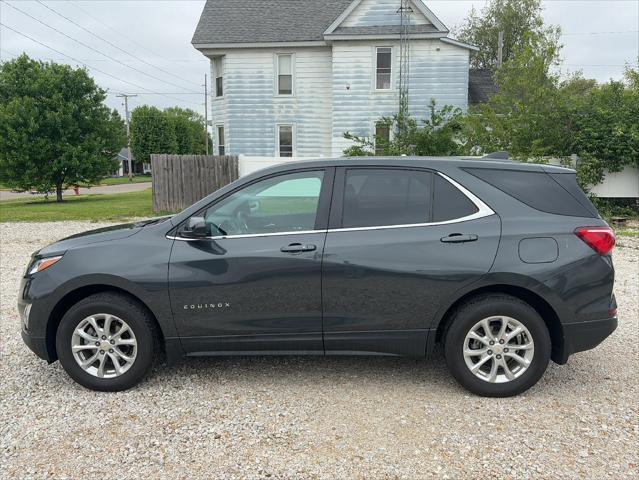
x: 449, y: 203
x: 379, y: 197
x: 286, y: 203
x: 536, y: 189
x: 569, y: 182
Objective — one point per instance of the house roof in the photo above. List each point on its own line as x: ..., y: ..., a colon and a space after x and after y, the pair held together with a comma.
x: 481, y: 86
x: 238, y: 23
x: 383, y: 30
x: 266, y: 21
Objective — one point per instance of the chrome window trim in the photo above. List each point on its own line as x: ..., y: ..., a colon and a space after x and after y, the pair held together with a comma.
x: 248, y: 235
x: 483, y: 211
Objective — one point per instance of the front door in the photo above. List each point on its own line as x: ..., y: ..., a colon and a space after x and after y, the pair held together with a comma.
x: 254, y: 285
x: 400, y: 243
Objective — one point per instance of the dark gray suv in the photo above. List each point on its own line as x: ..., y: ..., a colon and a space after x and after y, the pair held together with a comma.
x: 506, y: 265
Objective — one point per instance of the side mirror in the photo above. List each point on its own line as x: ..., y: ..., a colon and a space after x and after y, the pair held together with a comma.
x: 196, y: 227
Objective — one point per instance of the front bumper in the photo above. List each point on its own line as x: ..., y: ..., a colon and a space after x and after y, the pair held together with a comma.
x: 37, y: 345
x: 581, y: 336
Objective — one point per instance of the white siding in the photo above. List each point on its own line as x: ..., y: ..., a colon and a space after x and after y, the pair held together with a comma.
x: 251, y: 109
x: 437, y: 70
x: 376, y: 13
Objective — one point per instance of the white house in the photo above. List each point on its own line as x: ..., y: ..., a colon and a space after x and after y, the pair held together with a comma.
x: 289, y: 77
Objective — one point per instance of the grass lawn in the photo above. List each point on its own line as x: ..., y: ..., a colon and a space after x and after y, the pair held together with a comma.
x: 116, y: 207
x: 125, y: 180
x: 111, y: 181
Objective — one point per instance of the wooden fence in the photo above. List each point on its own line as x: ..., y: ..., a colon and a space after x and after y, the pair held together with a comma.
x: 182, y: 180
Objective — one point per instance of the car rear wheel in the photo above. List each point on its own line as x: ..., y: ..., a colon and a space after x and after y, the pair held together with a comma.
x: 107, y: 342
x: 497, y: 345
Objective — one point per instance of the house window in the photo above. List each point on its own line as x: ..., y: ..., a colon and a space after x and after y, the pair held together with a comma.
x: 285, y: 140
x: 219, y: 78
x: 285, y: 74
x: 383, y: 67
x: 382, y: 137
x: 220, y: 140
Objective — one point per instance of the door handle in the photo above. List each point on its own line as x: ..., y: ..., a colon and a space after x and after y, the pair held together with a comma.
x: 298, y: 248
x: 459, y: 238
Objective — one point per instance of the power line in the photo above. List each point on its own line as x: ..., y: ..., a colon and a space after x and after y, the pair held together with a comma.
x: 114, y: 45
x: 601, y: 33
x: 119, y: 32
x: 93, y: 68
x: 91, y: 48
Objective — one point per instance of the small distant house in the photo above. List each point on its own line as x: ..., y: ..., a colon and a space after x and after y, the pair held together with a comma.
x: 123, y: 169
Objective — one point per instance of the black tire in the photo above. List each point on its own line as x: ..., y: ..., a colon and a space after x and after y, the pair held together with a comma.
x: 466, y: 317
x: 138, y: 319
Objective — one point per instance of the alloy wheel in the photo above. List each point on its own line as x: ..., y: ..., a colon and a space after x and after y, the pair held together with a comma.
x: 104, y: 345
x: 498, y: 349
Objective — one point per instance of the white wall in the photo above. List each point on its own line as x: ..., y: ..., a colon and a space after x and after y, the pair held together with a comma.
x: 624, y: 184
x: 249, y: 164
x: 380, y: 12
x: 250, y: 109
x: 437, y: 70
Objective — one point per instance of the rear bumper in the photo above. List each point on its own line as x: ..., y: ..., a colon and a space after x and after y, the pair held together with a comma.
x: 582, y: 336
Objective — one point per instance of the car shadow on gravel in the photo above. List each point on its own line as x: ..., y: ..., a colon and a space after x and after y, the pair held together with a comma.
x: 301, y: 371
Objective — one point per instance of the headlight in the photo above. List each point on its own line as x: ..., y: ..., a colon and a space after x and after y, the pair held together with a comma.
x: 43, y: 263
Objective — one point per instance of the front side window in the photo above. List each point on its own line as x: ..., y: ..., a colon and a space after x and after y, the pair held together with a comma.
x: 221, y: 148
x: 381, y: 197
x: 285, y: 74
x: 219, y: 77
x: 383, y: 68
x: 282, y: 204
x: 285, y: 140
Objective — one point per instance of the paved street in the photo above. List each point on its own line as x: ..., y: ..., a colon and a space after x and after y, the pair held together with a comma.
x: 126, y: 188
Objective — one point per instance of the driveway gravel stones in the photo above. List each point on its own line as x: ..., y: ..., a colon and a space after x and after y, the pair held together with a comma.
x: 315, y: 417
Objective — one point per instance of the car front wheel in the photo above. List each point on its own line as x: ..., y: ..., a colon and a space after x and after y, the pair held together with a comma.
x: 497, y: 345
x: 107, y: 342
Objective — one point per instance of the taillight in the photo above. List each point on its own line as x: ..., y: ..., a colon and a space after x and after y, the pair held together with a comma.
x: 600, y: 239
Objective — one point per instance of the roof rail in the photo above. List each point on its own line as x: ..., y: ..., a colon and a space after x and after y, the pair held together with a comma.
x: 497, y: 156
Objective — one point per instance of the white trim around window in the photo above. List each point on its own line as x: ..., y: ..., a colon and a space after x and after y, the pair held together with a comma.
x: 220, y: 139
x: 218, y: 77
x: 284, y: 62
x: 391, y: 72
x: 281, y: 131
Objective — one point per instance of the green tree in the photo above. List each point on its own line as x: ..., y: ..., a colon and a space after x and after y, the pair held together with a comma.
x: 189, y: 130
x: 54, y: 127
x: 604, y: 123
x: 151, y: 132
x: 174, y: 130
x: 519, y: 20
x: 527, y: 117
x: 437, y: 135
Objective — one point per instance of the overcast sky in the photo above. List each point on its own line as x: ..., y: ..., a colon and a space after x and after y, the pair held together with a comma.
x: 150, y: 41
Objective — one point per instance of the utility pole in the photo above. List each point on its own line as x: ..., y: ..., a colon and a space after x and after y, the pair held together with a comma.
x: 206, y: 114
x: 128, y: 132
x: 500, y: 49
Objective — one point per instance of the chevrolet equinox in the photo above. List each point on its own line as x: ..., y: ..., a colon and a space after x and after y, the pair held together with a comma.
x: 505, y: 264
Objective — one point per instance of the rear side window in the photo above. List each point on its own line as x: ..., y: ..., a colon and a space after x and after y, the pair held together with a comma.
x: 536, y: 189
x: 379, y: 197
x: 449, y: 203
x: 569, y: 182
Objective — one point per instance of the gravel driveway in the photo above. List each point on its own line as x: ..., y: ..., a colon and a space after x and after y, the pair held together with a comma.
x: 316, y: 417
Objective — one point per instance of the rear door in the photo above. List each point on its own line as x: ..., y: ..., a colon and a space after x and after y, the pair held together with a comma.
x: 400, y: 242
